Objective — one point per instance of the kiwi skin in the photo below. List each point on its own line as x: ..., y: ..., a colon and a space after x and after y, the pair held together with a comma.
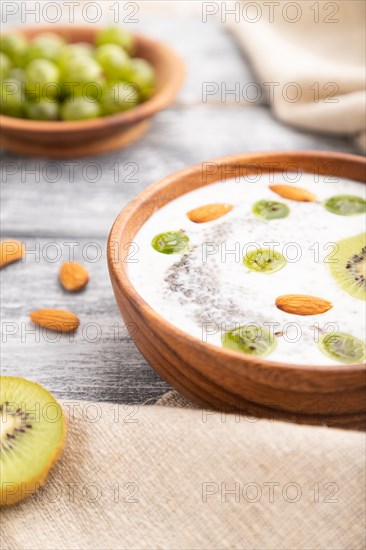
x: 348, y: 250
x: 31, y: 485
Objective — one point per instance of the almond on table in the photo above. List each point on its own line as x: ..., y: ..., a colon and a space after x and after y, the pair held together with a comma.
x: 293, y: 193
x: 11, y: 251
x: 55, y: 319
x: 73, y: 276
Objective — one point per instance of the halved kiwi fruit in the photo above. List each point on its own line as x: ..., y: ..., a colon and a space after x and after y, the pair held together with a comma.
x: 32, y: 432
x: 345, y: 205
x: 348, y: 265
x: 342, y: 347
x: 171, y: 242
x: 250, y: 339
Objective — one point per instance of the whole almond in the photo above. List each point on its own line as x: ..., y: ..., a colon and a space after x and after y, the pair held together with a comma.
x: 10, y: 251
x: 301, y: 304
x: 208, y: 212
x: 73, y: 276
x: 55, y: 319
x: 293, y: 193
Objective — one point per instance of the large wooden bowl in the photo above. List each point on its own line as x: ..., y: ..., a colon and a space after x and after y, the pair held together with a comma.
x: 220, y: 378
x: 60, y: 139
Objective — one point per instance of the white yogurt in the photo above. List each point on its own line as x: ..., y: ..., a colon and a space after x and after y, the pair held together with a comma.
x: 208, y: 290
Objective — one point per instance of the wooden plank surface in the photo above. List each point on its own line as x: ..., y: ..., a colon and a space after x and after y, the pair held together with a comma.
x: 54, y: 206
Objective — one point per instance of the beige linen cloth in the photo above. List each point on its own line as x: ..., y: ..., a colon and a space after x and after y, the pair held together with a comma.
x: 172, y: 478
x: 310, y: 56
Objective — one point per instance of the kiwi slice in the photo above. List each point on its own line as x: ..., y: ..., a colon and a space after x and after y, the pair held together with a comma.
x: 171, y: 242
x: 250, y: 339
x: 343, y: 348
x: 348, y: 265
x: 270, y: 210
x: 345, y: 205
x: 32, y: 431
x: 264, y: 260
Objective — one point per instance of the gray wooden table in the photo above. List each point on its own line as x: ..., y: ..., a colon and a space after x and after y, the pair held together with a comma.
x: 58, y: 206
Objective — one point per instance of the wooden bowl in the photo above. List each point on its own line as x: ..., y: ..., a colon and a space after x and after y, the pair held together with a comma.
x: 60, y: 139
x: 221, y: 378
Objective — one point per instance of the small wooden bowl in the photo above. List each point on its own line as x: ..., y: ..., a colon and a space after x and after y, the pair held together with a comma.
x: 59, y: 139
x: 220, y: 378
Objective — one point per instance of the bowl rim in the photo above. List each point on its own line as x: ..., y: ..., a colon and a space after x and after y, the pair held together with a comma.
x: 158, y: 101
x: 119, y: 270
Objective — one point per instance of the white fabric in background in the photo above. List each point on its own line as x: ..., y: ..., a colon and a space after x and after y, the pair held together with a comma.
x: 325, y: 58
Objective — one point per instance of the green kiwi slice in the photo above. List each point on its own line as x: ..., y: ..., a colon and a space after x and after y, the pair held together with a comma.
x: 32, y: 431
x: 343, y: 348
x: 270, y: 210
x: 264, y: 260
x: 348, y: 265
x: 345, y: 205
x: 171, y: 242
x: 250, y: 339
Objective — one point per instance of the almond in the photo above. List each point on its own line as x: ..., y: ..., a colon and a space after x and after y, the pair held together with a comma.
x: 293, y: 193
x: 55, y: 319
x: 208, y: 212
x: 73, y: 276
x: 300, y: 304
x: 10, y: 251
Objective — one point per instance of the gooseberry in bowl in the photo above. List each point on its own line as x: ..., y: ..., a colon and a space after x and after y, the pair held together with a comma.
x: 5, y: 66
x: 116, y: 35
x: 14, y: 45
x: 11, y: 98
x: 82, y: 72
x: 45, y: 45
x: 41, y: 77
x: 120, y: 96
x: 42, y: 110
x: 80, y: 108
x: 114, y: 61
x: 143, y: 76
x: 70, y: 51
